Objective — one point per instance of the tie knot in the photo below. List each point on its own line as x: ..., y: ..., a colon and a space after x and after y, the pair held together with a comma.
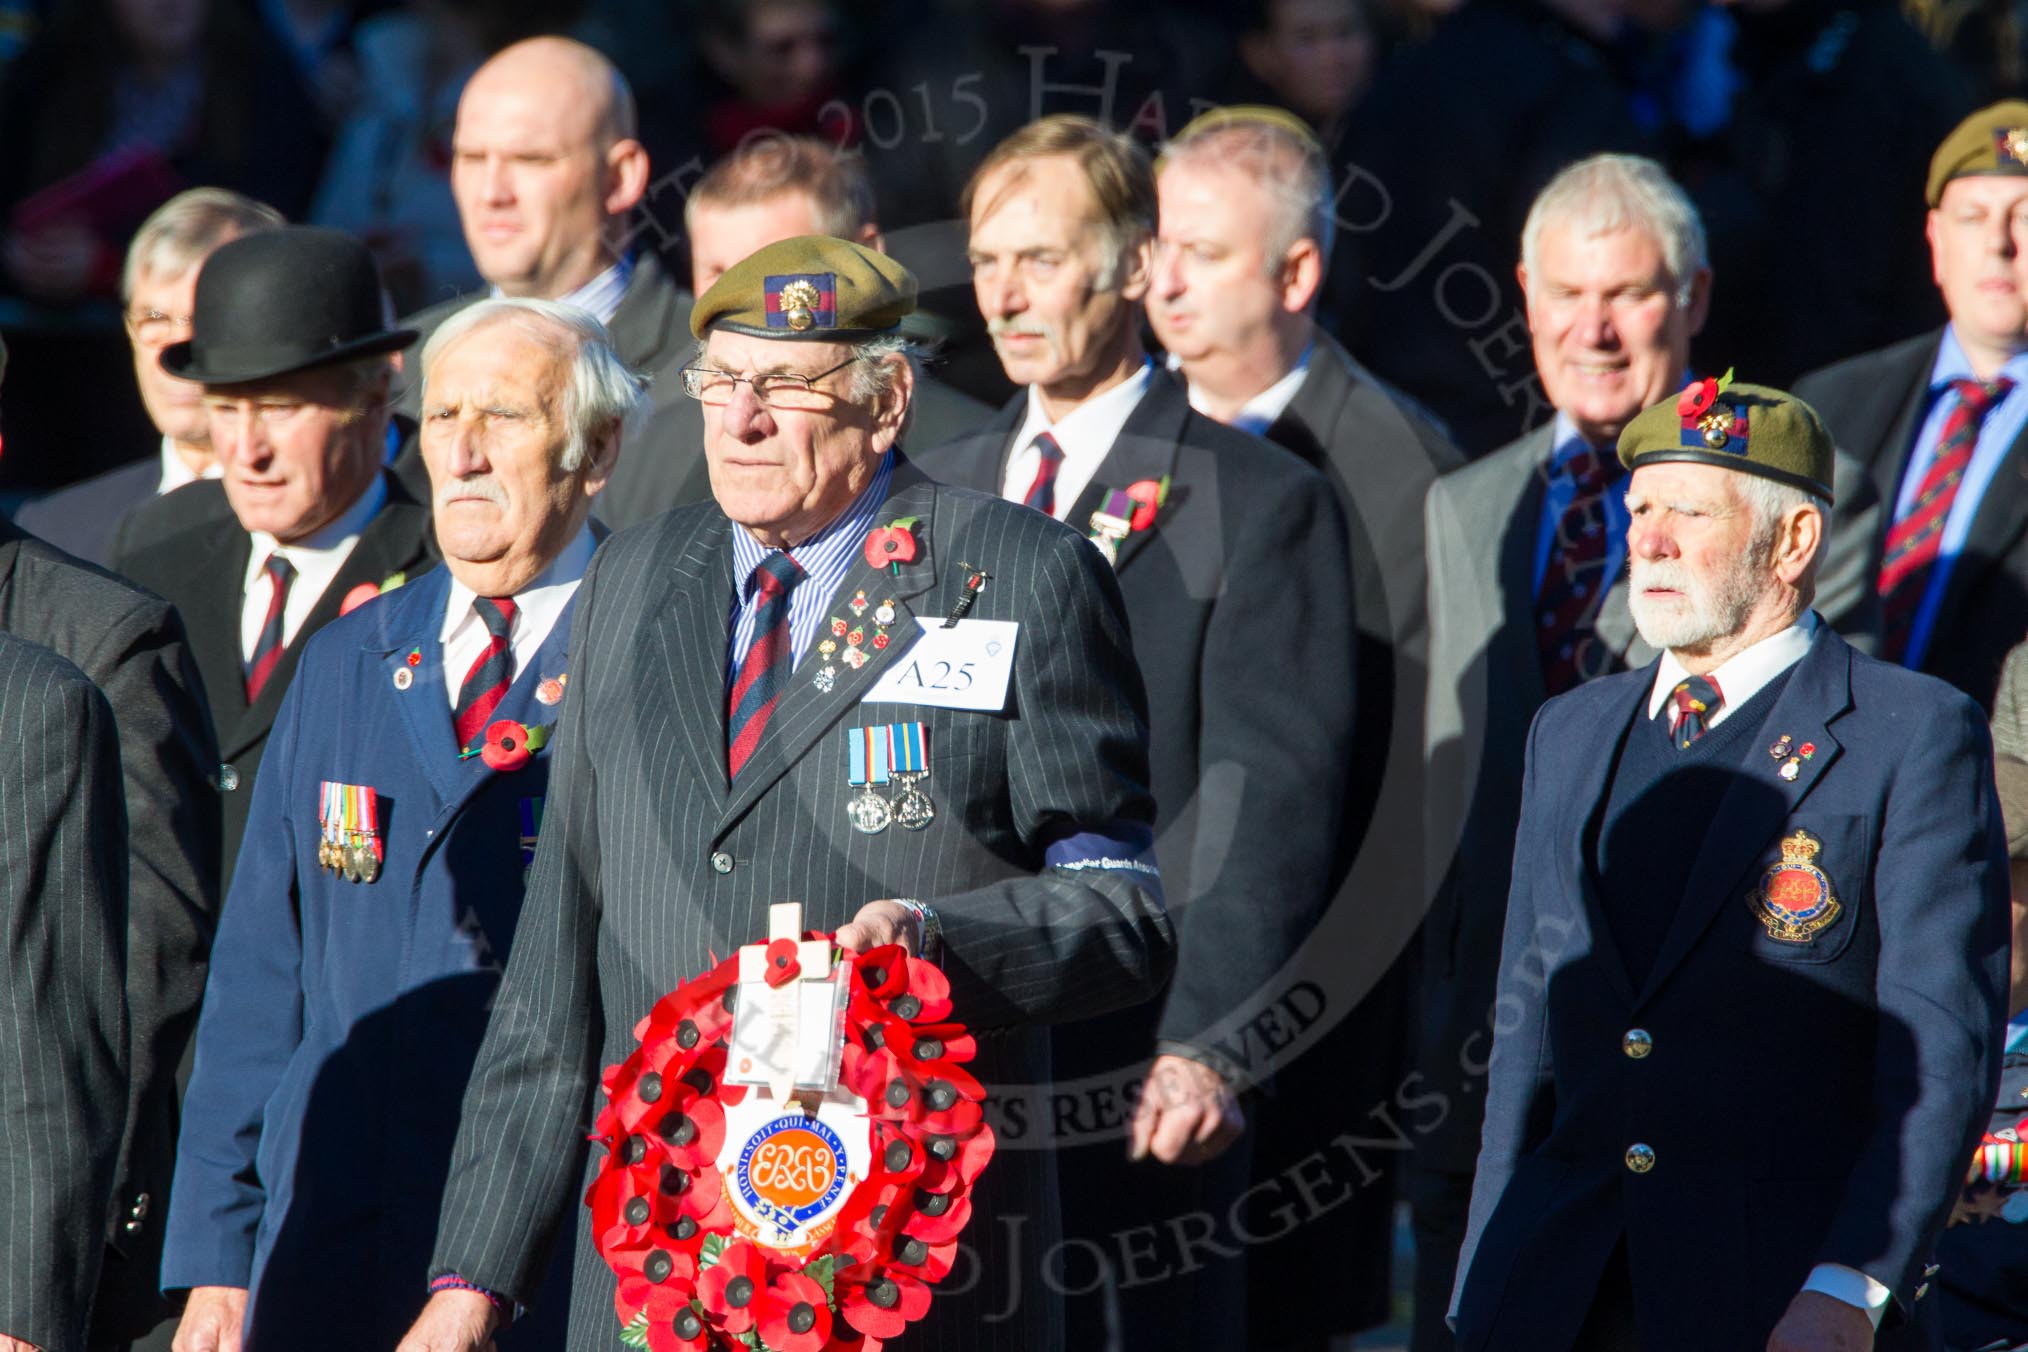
x: 777, y: 573
x: 1588, y: 469
x: 1046, y: 447
x: 280, y: 571
x: 1699, y: 695
x: 1979, y: 397
x: 496, y: 613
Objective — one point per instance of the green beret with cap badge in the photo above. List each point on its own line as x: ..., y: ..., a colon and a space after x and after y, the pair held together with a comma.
x: 1993, y: 140
x: 1750, y: 428
x: 812, y: 288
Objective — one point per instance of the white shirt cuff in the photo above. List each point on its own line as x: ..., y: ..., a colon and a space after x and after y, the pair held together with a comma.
x: 1851, y: 1286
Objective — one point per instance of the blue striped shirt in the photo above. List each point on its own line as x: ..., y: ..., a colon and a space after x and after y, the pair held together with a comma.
x: 1996, y: 437
x: 601, y: 296
x: 825, y: 558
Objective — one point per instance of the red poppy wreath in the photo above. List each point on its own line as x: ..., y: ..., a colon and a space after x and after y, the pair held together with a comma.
x: 735, y: 1220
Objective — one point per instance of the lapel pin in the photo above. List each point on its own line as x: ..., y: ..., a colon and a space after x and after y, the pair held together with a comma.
x: 1790, y: 769
x: 403, y: 678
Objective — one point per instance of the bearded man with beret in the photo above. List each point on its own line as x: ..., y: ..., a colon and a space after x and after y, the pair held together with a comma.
x: 1755, y: 967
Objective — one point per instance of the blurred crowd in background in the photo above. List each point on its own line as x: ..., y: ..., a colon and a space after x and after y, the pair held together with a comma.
x: 1800, y: 128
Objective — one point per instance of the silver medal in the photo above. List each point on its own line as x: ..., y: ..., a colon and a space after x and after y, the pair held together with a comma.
x: 869, y: 812
x: 913, y: 808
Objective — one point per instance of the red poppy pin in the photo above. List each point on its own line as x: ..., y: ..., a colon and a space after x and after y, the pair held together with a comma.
x: 1148, y: 496
x: 892, y: 545
x: 509, y: 744
x: 1699, y: 395
x: 783, y: 965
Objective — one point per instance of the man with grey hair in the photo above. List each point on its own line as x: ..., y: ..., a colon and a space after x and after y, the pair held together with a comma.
x: 289, y: 342
x: 1754, y: 971
x: 1242, y: 247
x: 771, y: 189
x: 157, y: 288
x: 1527, y: 599
x: 349, y: 990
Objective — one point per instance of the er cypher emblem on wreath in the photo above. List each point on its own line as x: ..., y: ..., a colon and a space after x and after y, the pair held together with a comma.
x: 1795, y: 900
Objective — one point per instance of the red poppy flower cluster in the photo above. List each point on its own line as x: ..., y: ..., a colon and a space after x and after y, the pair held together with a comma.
x: 660, y: 1216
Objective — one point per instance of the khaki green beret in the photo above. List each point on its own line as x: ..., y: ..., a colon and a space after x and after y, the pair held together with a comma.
x: 1243, y: 115
x: 1750, y: 428
x: 1991, y: 141
x: 812, y: 288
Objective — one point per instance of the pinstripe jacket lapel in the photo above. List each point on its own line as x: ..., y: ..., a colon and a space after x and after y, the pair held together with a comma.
x: 807, y: 713
x: 692, y: 632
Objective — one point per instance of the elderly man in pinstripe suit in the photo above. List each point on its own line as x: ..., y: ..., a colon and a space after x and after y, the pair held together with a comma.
x: 723, y: 656
x: 63, y: 1016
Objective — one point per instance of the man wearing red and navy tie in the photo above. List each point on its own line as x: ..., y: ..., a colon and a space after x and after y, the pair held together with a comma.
x: 289, y: 340
x: 1754, y: 975
x: 1941, y: 422
x: 381, y: 881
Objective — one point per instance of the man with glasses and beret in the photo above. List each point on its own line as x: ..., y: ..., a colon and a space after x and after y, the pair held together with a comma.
x: 725, y: 657
x: 288, y: 340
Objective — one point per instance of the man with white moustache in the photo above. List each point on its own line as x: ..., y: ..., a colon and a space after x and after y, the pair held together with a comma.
x: 1528, y: 599
x: 364, y: 938
x: 1754, y: 975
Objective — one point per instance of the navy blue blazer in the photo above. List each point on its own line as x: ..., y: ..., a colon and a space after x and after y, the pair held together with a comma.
x: 1805, y: 1102
x: 341, y: 1019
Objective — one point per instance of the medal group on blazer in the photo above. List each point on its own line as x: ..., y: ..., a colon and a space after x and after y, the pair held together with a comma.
x: 349, y: 843
x: 895, y: 753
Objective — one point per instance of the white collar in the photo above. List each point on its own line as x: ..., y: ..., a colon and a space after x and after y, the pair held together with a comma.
x: 176, y: 471
x: 1262, y: 411
x: 1744, y: 674
x: 537, y: 601
x: 339, y: 533
x: 1088, y: 432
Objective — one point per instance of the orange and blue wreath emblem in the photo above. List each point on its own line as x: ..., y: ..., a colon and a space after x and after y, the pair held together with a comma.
x: 1795, y: 901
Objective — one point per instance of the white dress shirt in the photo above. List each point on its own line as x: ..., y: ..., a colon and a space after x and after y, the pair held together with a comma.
x: 1265, y: 409
x: 601, y: 296
x: 1741, y: 677
x: 1085, y: 435
x: 536, y: 609
x: 316, y: 559
x: 176, y: 471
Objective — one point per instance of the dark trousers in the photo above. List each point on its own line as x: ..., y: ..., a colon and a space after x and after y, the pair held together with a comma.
x: 1439, y: 1203
x: 1609, y: 1326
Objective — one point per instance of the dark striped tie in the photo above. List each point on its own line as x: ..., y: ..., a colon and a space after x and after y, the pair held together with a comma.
x: 492, y: 671
x: 1695, y: 702
x: 1574, y: 579
x: 1041, y: 494
x: 758, y: 686
x: 267, y: 653
x: 1913, y: 542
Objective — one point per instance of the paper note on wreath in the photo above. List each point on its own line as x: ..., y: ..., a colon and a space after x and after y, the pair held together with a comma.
x: 788, y: 1026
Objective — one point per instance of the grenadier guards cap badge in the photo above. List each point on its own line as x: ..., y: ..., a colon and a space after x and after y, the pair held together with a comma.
x: 1795, y: 900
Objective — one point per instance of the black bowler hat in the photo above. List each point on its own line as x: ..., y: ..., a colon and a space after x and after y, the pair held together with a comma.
x: 279, y: 301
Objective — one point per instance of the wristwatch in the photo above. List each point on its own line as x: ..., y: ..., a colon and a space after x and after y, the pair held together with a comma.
x: 929, y: 930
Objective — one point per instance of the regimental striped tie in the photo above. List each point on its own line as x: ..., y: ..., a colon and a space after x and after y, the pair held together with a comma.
x: 1913, y: 542
x: 492, y: 671
x: 267, y: 653
x: 765, y: 670
x: 1041, y: 494
x: 1694, y: 703
x: 1574, y: 579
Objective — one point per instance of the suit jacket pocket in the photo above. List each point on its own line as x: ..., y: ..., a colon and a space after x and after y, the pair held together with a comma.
x: 1808, y: 892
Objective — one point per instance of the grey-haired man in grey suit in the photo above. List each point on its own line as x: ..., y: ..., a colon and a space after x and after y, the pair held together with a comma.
x: 701, y: 772
x: 1528, y: 598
